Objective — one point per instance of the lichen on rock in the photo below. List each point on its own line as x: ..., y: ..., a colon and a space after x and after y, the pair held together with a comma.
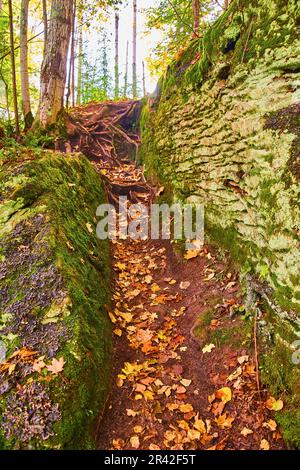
x: 225, y: 131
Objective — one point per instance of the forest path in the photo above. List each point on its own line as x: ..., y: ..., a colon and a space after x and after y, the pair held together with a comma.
x: 184, y: 374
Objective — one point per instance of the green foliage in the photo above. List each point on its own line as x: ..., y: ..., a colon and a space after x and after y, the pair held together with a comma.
x: 175, y: 21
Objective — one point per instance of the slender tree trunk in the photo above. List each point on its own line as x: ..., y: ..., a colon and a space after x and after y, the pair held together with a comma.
x: 13, y: 68
x: 196, y: 16
x: 134, y: 75
x: 26, y: 106
x: 45, y: 20
x: 80, y: 52
x: 71, y: 85
x: 54, y: 67
x: 6, y: 93
x: 144, y: 80
x: 226, y: 4
x: 74, y: 50
x: 116, y: 55
x: 126, y: 70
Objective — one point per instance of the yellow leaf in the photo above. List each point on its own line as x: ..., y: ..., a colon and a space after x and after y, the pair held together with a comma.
x: 224, y: 422
x: 132, y: 413
x: 148, y: 279
x: 118, y: 332
x: 186, y: 408
x: 118, y: 444
x: 89, y: 227
x: 148, y: 395
x: 264, y: 445
x: 112, y: 317
x: 246, y: 432
x: 185, y: 382
x: 190, y: 254
x: 135, y: 442
x: 224, y: 394
x: 208, y: 348
x: 273, y: 404
x: 138, y: 429
x: 270, y: 424
x: 200, y: 426
x: 119, y: 382
x: 11, y: 368
x: 155, y: 288
x: 120, y: 266
x: 193, y: 434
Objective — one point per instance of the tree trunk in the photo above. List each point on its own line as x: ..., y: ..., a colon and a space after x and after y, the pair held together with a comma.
x: 13, y: 68
x: 144, y: 80
x: 6, y: 92
x: 80, y: 52
x: 226, y: 4
x: 26, y: 106
x: 45, y: 20
x: 196, y: 17
x: 134, y: 75
x: 71, y: 79
x: 54, y: 67
x: 126, y: 70
x: 116, y: 56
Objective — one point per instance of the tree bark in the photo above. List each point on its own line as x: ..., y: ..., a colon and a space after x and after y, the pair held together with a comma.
x: 116, y: 55
x: 226, y: 4
x: 54, y: 67
x: 134, y: 75
x: 80, y: 52
x: 26, y: 106
x: 13, y: 68
x: 45, y: 20
x: 126, y: 70
x: 196, y: 17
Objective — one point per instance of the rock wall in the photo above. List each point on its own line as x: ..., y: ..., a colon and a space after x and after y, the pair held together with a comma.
x: 54, y: 284
x: 223, y: 129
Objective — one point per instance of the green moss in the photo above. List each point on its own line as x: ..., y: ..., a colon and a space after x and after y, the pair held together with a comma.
x: 67, y: 190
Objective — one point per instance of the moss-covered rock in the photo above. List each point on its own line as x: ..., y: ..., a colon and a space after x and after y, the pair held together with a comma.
x: 224, y: 131
x: 55, y: 290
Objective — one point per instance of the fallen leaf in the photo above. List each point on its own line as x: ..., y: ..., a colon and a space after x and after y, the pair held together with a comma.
x: 185, y: 408
x: 89, y: 227
x: 138, y: 429
x: 56, y: 366
x: 38, y: 365
x: 185, y: 382
x: 243, y: 359
x: 184, y: 285
x: 193, y: 434
x: 118, y: 332
x: 135, y: 442
x: 132, y: 413
x: 209, y: 277
x: 190, y: 254
x: 200, y: 426
x: 270, y: 424
x: 264, y: 445
x: 273, y: 404
x: 224, y: 422
x: 118, y: 444
x: 208, y: 348
x: 224, y: 394
x: 246, y: 432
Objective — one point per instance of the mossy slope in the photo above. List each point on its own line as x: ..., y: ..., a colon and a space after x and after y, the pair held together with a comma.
x: 54, y: 284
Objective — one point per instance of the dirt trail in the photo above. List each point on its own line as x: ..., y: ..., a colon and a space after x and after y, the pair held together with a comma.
x: 184, y: 375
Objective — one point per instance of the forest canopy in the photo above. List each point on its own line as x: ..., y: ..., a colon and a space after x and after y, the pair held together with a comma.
x: 46, y: 64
